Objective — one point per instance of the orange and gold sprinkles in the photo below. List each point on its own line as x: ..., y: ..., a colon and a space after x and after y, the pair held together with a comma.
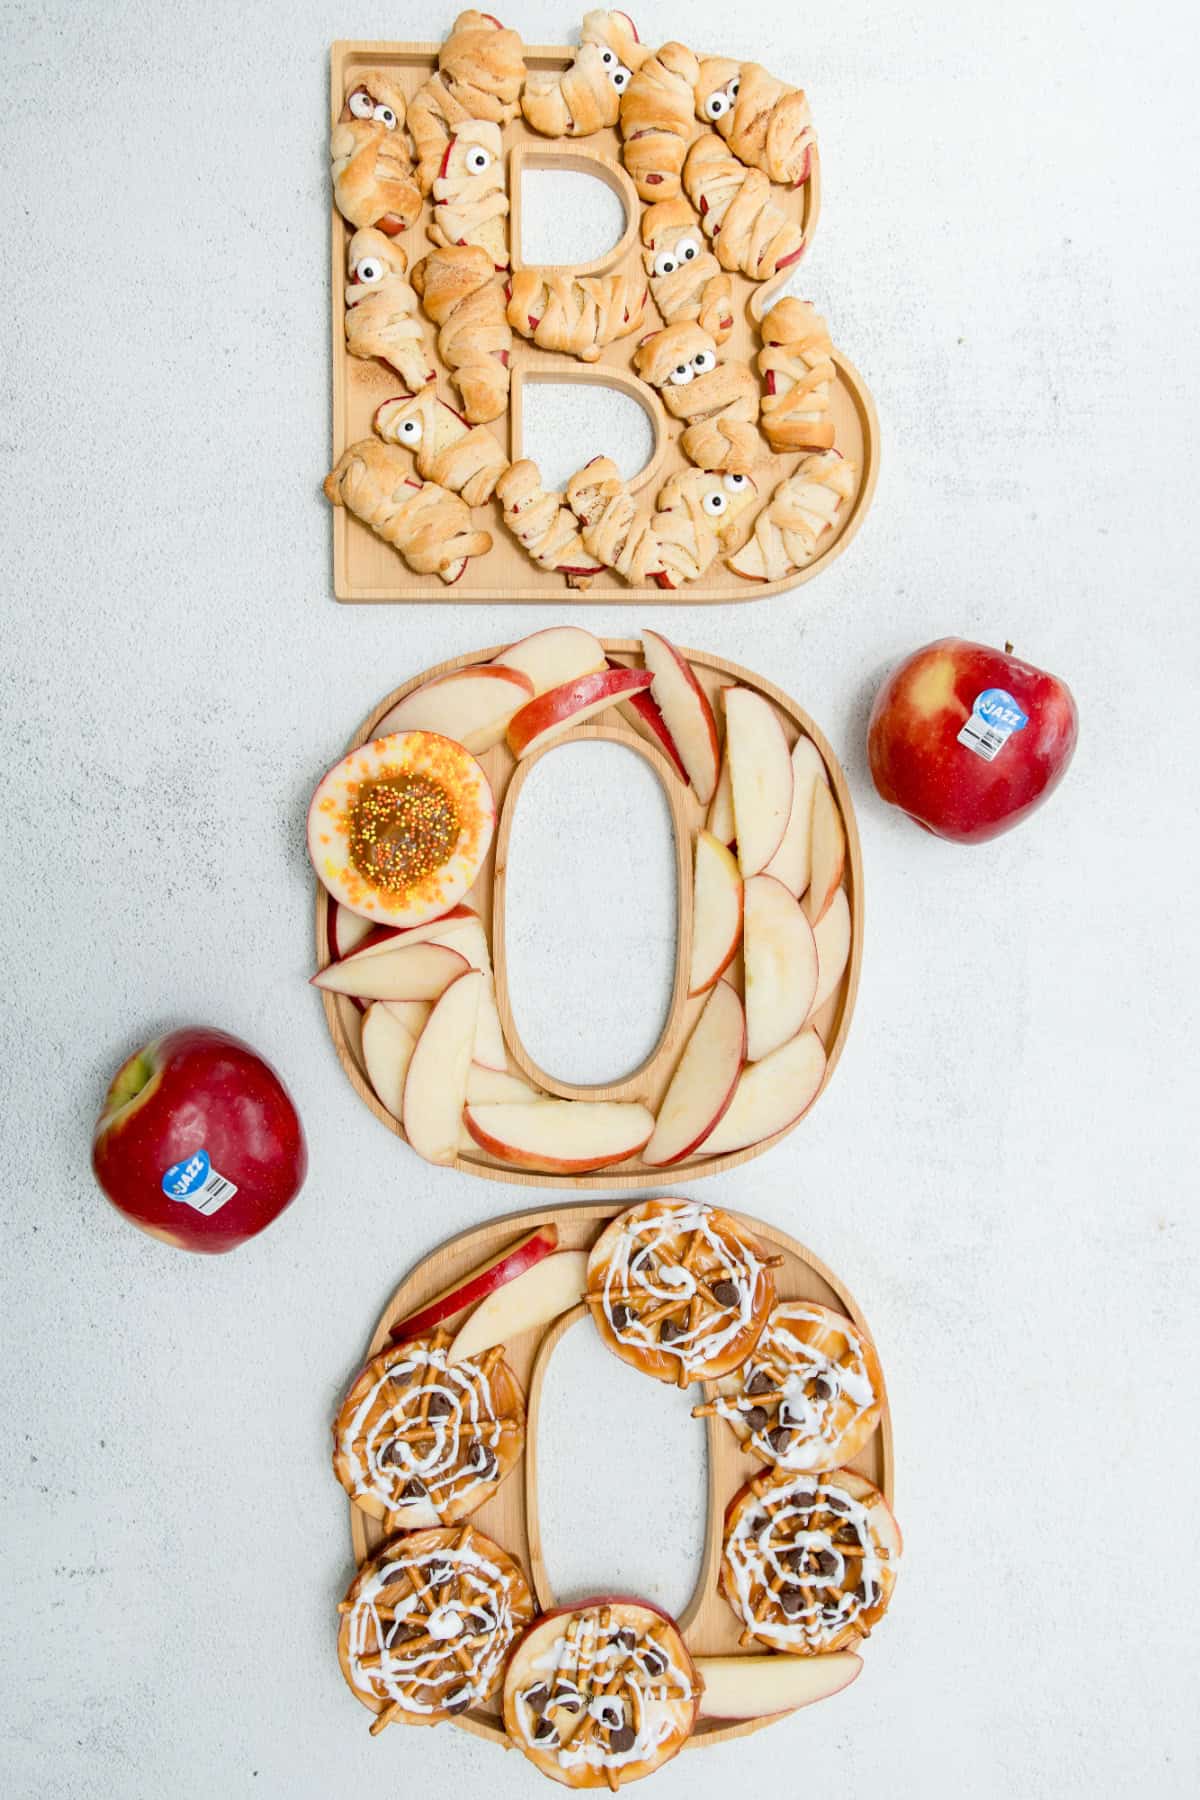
x: 398, y: 830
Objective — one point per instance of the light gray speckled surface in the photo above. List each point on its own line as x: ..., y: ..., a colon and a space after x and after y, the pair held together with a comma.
x: 1001, y: 1171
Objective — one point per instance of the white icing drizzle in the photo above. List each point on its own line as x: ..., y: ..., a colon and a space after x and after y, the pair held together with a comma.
x: 818, y: 1423
x: 643, y: 1266
x: 769, y: 1530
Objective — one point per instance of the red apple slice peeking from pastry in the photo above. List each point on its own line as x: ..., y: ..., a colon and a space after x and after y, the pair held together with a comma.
x: 832, y: 937
x: 686, y: 711
x: 436, y: 1088
x: 770, y: 1095
x: 471, y: 706
x: 717, y: 900
x: 468, y: 1290
x: 828, y: 854
x: 410, y: 972
x: 560, y: 708
x: 561, y: 1136
x: 792, y: 862
x: 781, y: 966
x: 537, y: 1296
x: 551, y: 657
x: 704, y: 1081
x: 757, y: 1687
x: 387, y: 1047
x: 760, y: 771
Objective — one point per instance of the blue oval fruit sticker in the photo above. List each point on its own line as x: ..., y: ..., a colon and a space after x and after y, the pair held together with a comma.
x: 995, y: 716
x: 197, y: 1183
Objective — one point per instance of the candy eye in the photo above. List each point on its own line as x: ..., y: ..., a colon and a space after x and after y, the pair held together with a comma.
x: 732, y: 89
x: 665, y: 263
x: 687, y: 249
x: 714, y: 504
x: 681, y: 376
x: 386, y: 116
x: 478, y: 159
x: 361, y: 104
x: 735, y: 484
x: 620, y: 77
x: 369, y: 269
x: 704, y: 361
x: 716, y: 106
x: 608, y: 58
x: 410, y: 430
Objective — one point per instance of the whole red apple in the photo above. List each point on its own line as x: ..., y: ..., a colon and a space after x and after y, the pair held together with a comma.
x: 198, y: 1141
x: 967, y: 740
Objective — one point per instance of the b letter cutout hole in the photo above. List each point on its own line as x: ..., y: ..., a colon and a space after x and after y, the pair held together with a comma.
x: 567, y: 217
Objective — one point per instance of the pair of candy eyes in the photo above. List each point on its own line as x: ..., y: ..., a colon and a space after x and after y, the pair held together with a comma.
x: 667, y: 261
x: 717, y: 503
x: 363, y: 107
x: 718, y: 104
x: 703, y: 363
x: 618, y: 74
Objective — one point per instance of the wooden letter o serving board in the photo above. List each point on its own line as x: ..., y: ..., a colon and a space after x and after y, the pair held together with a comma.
x: 366, y: 569
x: 649, y: 1082
x: 708, y: 1624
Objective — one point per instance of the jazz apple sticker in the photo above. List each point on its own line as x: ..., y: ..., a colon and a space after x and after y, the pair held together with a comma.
x: 995, y: 716
x: 197, y: 1183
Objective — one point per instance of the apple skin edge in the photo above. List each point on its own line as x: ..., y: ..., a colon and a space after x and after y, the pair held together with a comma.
x: 918, y: 764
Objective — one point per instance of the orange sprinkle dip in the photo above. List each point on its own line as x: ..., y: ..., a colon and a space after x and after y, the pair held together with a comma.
x: 401, y: 830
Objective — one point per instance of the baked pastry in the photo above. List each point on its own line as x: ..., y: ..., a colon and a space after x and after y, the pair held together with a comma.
x: 805, y: 510
x: 698, y: 514
x: 587, y: 96
x: 480, y: 73
x: 748, y: 229
x: 542, y: 525
x: 464, y: 458
x: 614, y: 531
x: 381, y: 308
x: 658, y: 120
x: 765, y: 122
x: 679, y: 1290
x: 718, y: 401
x: 577, y: 314
x: 686, y: 280
x: 370, y: 157
x: 796, y: 362
x: 463, y: 295
x: 809, y: 1561
x: 428, y: 526
x: 470, y: 205
x: 601, y: 1695
x: 810, y: 1393
x: 427, y: 1625
x: 421, y: 1441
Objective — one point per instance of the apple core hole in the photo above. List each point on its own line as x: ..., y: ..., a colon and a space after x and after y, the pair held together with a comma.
x: 590, y: 912
x: 566, y: 423
x: 622, y: 1478
x: 567, y: 218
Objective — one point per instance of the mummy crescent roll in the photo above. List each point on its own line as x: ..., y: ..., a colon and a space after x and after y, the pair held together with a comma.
x: 747, y: 228
x: 686, y: 280
x: 578, y: 315
x: 463, y: 295
x: 658, y: 120
x: 466, y: 459
x: 480, y: 74
x: 766, y: 123
x: 470, y: 204
x: 370, y: 160
x: 430, y: 527
x: 796, y: 363
x: 717, y: 400
x: 805, y: 512
x: 587, y: 96
x: 382, y: 318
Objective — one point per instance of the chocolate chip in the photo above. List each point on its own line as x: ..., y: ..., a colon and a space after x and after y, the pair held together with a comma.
x: 797, y: 1561
x: 620, y: 1315
x: 653, y: 1661
x: 756, y: 1418
x: 726, y: 1293
x: 545, y: 1733
x: 391, y: 1454
x: 821, y: 1388
x: 779, y: 1438
x: 869, y: 1592
x: 403, y: 1634
x: 826, y: 1562
x: 439, y: 1406
x: 791, y: 1599
x: 538, y: 1699
x: 836, y: 1503
x: 568, y: 1698
x: 621, y: 1738
x: 413, y: 1489
x: 624, y: 1640
x: 831, y: 1615
x: 483, y: 1462
x: 668, y: 1331
x: 759, y: 1383
x: 440, y: 1574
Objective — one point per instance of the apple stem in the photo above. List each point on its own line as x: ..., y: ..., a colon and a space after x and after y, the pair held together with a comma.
x: 1008, y: 649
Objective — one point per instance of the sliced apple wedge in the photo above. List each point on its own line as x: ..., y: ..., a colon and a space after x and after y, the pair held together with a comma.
x: 720, y: 813
x: 792, y: 862
x: 754, y: 1687
x: 387, y: 1047
x: 495, y: 1087
x: 412, y: 1014
x: 716, y: 912
x: 704, y: 1081
x: 760, y: 771
x: 832, y: 937
x: 468, y: 1290
x: 409, y: 972
x: 828, y: 854
x: 686, y: 711
x: 468, y: 937
x: 642, y: 712
x: 344, y: 930
x: 822, y: 1021
x: 560, y: 653
x: 770, y: 1094
x: 571, y: 704
x: 377, y: 938
x: 538, y: 1295
x: 436, y: 1089
x: 781, y: 966
x: 471, y: 706
x: 561, y: 1136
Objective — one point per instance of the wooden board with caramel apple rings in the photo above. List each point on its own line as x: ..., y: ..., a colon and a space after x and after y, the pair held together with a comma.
x: 444, y: 1289
x: 755, y: 1095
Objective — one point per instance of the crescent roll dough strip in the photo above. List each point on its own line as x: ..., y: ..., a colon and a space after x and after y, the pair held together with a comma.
x: 805, y: 509
x: 686, y: 280
x: 576, y: 314
x: 796, y: 361
x: 465, y: 459
x: 749, y: 231
x: 371, y: 161
x: 658, y: 120
x: 766, y: 123
x: 717, y: 400
x: 481, y: 70
x: 587, y: 96
x: 613, y: 531
x: 470, y: 205
x: 543, y: 525
x: 381, y: 308
x: 464, y: 297
x: 429, y: 527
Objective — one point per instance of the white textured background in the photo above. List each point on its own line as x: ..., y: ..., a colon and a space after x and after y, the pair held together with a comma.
x: 1004, y: 1168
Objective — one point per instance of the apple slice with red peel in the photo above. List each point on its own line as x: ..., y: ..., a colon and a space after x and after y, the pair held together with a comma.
x: 686, y: 711
x: 557, y: 654
x: 781, y: 966
x: 771, y: 1094
x: 471, y: 706
x: 756, y: 1687
x: 436, y: 1088
x: 717, y: 899
x: 704, y: 1081
x: 468, y: 937
x: 561, y: 1136
x: 792, y: 862
x: 344, y: 930
x: 496, y: 1087
x: 535, y: 1296
x: 560, y: 708
x: 644, y: 714
x: 391, y: 937
x: 410, y: 972
x: 828, y: 854
x: 822, y: 1021
x: 832, y: 937
x: 468, y: 1290
x: 412, y: 1014
x: 387, y: 1047
x: 760, y: 770
x: 720, y: 813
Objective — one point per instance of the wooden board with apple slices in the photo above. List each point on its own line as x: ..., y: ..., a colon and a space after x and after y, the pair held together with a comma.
x: 368, y: 570
x: 518, y: 1280
x: 769, y: 939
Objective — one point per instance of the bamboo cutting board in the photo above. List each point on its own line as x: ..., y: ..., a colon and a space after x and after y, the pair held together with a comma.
x: 367, y: 570
x: 511, y: 1518
x: 649, y: 1081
